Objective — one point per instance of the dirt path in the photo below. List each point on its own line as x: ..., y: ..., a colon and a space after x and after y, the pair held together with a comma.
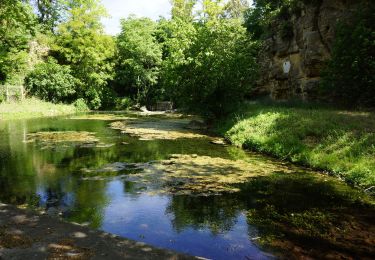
x: 29, y: 235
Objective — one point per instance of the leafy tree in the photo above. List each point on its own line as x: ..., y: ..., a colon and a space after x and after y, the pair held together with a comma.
x: 209, y: 65
x: 236, y: 8
x: 17, y: 23
x: 51, y: 82
x: 212, y: 9
x: 139, y: 57
x: 183, y: 9
x: 176, y: 36
x: 50, y: 12
x: 81, y: 43
x: 221, y: 69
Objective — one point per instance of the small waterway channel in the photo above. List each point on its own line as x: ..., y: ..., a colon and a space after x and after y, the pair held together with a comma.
x: 152, y: 180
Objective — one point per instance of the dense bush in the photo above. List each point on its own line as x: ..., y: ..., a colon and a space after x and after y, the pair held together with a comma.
x: 123, y: 103
x: 350, y: 75
x: 51, y: 82
x: 81, y: 105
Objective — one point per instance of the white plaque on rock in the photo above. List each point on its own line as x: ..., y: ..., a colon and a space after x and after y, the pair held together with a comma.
x: 286, y: 67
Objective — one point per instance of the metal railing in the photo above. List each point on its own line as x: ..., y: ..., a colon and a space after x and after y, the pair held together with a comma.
x: 11, y: 93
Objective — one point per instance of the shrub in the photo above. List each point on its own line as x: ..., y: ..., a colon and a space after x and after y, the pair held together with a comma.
x: 51, y: 82
x: 2, y: 97
x: 123, y: 103
x: 81, y: 105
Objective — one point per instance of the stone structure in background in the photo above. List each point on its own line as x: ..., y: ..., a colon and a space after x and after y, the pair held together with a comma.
x: 291, y: 67
x: 161, y: 106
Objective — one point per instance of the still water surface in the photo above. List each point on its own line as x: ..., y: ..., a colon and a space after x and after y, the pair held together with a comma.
x: 257, y: 222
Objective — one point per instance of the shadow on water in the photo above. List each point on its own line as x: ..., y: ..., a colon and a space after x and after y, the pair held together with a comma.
x: 293, y: 214
x: 304, y: 215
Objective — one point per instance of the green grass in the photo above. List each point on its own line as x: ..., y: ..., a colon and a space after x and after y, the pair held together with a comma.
x: 32, y: 108
x: 337, y: 141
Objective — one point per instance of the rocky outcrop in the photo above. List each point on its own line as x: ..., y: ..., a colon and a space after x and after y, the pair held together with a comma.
x: 291, y: 66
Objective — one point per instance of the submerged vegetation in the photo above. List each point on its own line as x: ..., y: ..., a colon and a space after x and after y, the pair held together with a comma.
x: 314, y: 220
x: 218, y: 193
x: 157, y: 129
x: 204, y: 60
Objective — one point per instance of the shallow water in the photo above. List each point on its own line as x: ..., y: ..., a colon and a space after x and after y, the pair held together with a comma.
x: 285, y: 212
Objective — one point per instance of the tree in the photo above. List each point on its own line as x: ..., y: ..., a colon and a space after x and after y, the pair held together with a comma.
x: 82, y: 44
x: 176, y: 37
x: 139, y: 57
x: 17, y: 23
x: 50, y: 12
x: 236, y: 8
x: 212, y: 10
x: 183, y: 9
x: 209, y: 65
x: 221, y: 69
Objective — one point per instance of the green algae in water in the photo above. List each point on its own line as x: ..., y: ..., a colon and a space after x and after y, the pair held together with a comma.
x: 101, y: 117
x: 192, y: 174
x: 65, y: 139
x: 62, y: 136
x: 168, y: 129
x: 286, y: 210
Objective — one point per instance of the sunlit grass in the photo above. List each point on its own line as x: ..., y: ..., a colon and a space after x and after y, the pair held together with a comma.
x: 31, y: 108
x: 340, y: 142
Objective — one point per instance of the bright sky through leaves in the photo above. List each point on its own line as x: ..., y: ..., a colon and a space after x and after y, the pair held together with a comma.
x: 123, y: 8
x: 118, y: 9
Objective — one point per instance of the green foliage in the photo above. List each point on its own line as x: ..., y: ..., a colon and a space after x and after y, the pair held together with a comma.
x: 81, y: 105
x: 50, y: 12
x: 2, y: 94
x: 51, y: 82
x: 340, y: 142
x: 123, y: 103
x: 270, y: 17
x: 210, y: 66
x: 139, y: 58
x: 350, y: 75
x: 183, y: 9
x: 236, y: 8
x: 33, y: 108
x: 81, y: 43
x: 17, y: 23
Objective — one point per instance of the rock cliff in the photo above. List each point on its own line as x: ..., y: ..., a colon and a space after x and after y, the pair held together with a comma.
x: 291, y: 66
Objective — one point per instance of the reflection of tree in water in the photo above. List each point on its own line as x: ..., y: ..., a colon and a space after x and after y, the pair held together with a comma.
x: 134, y: 189
x: 310, y: 215
x: 217, y: 213
x: 90, y: 201
x: 17, y: 181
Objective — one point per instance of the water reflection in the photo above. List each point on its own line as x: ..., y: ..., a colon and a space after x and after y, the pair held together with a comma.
x: 295, y: 214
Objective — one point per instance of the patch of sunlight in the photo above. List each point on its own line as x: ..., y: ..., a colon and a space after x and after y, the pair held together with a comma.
x: 190, y: 174
x: 168, y: 129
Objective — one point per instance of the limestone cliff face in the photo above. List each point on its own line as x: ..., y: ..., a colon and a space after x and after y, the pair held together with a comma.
x: 291, y: 67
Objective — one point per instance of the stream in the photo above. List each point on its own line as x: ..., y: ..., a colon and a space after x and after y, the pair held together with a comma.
x: 150, y: 179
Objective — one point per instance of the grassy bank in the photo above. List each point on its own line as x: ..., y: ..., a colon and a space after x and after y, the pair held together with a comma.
x: 340, y: 142
x: 31, y: 108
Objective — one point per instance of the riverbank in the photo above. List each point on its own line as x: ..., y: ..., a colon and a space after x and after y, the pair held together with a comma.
x: 33, y: 108
x: 27, y: 234
x: 337, y: 141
